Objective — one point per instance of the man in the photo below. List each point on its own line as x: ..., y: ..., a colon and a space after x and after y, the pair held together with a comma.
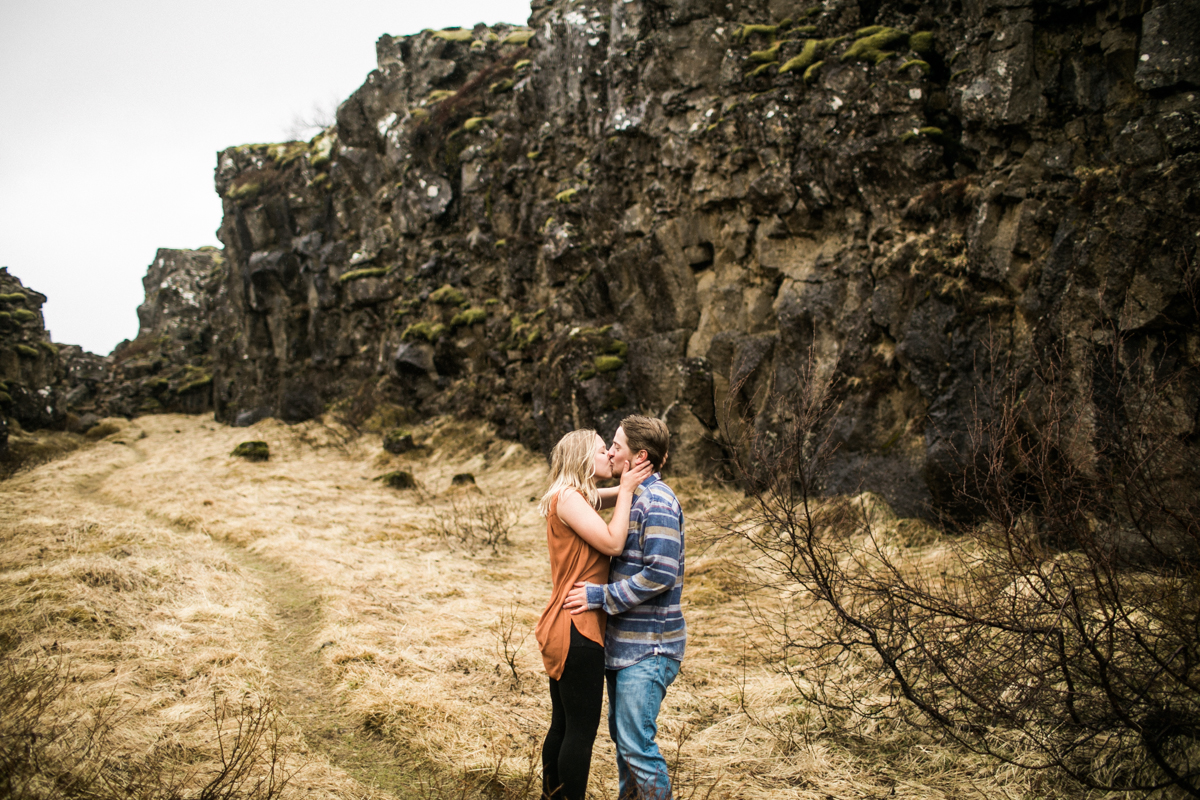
x: 646, y: 635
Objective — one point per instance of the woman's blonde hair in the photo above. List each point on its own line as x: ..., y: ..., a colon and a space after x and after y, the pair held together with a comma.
x: 572, y: 466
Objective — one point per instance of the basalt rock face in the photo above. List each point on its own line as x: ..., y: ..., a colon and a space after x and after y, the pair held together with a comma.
x: 31, y: 374
x: 168, y: 367
x: 633, y: 206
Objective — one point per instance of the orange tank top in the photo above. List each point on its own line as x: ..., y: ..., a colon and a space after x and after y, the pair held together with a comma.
x: 571, y: 560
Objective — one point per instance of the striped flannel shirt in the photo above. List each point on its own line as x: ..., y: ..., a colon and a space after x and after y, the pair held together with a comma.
x: 645, y: 582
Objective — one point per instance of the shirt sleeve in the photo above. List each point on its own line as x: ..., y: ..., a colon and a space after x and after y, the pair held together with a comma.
x: 661, y: 555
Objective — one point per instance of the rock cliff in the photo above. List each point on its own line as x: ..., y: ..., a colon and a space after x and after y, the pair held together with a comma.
x: 31, y: 376
x: 633, y: 205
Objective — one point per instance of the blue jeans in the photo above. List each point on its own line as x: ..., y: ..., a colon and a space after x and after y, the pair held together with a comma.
x: 635, y: 694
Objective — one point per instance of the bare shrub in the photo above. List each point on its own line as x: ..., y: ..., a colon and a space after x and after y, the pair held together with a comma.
x: 510, y: 639
x: 1061, y: 628
x: 56, y: 745
x: 477, y: 522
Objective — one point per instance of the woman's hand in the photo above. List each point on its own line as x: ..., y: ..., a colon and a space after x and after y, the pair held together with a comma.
x: 633, y: 477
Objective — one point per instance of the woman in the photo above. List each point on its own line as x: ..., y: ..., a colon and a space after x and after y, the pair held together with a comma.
x: 573, y: 646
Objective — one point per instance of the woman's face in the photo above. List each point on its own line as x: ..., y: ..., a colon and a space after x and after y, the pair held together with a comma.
x: 603, y: 465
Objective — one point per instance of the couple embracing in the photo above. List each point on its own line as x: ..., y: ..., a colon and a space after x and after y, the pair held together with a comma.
x: 617, y: 624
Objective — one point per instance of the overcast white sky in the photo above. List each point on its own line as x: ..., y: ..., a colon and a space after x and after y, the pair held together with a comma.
x: 114, y: 111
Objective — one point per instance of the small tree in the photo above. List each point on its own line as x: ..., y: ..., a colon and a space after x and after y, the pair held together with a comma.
x: 1061, y: 627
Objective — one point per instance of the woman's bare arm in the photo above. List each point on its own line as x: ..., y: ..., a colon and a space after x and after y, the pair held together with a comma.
x: 582, y: 518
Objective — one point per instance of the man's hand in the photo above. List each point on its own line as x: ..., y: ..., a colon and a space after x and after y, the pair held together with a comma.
x: 576, y: 601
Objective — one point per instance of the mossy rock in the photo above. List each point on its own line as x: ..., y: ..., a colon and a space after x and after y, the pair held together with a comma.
x: 424, y: 331
x: 252, y: 451
x: 522, y: 64
x: 463, y: 479
x: 24, y: 315
x: 438, y: 95
x: 923, y: 66
x: 400, y: 479
x: 768, y: 55
x: 566, y: 196
x: 479, y: 44
x: 759, y: 70
x: 811, y: 73
x: 150, y: 405
x: 746, y: 31
x: 448, y: 296
x: 533, y: 155
x: 809, y: 54
x: 921, y: 42
x: 398, y: 440
x: 367, y: 272
x: 585, y: 373
x: 243, y: 191
x: 5, y: 398
x: 27, y: 351
x: 608, y: 363
x: 469, y: 316
x: 156, y: 385
x: 877, y: 46
x: 500, y: 87
x: 518, y: 37
x: 198, y: 381
x: 475, y: 123
x: 454, y: 35
x: 5, y: 318
x: 12, y: 298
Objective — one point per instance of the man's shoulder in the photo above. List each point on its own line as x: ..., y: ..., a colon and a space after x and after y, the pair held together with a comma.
x: 661, y: 495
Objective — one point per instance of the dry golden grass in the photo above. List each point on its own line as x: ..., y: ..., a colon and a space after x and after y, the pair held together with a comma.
x: 163, y: 570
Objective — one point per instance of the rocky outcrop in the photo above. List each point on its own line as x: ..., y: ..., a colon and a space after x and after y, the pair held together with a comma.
x: 168, y: 367
x: 632, y: 206
x: 31, y: 376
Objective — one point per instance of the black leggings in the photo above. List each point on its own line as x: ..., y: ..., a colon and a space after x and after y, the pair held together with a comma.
x: 575, y: 702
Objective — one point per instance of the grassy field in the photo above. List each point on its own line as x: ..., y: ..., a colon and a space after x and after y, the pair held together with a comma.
x: 163, y: 605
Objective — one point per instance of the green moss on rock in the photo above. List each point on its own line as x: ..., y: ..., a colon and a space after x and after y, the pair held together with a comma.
x: 746, y: 31
x: 518, y: 37
x: 398, y: 440
x: 448, y: 296
x: 24, y: 315
x: 454, y: 35
x: 811, y: 73
x: 243, y: 191
x: 608, y: 363
x: 809, y: 54
x: 877, y: 46
x: 423, y: 331
x: 27, y: 351
x: 566, y: 196
x: 766, y: 56
x: 400, y: 479
x: 12, y: 298
x: 915, y: 62
x: 368, y: 272
x: 252, y: 451
x: 469, y: 316
x: 921, y: 42
x: 500, y: 87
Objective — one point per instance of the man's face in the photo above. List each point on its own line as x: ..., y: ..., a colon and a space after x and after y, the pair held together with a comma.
x: 619, y: 454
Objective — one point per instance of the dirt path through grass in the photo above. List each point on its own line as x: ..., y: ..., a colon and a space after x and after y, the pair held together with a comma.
x: 304, y: 690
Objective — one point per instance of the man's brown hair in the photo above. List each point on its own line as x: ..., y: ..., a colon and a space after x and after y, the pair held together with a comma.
x: 649, y: 434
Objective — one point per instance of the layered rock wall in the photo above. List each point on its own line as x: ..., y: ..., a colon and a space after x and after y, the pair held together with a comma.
x: 635, y: 205
x: 31, y: 374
